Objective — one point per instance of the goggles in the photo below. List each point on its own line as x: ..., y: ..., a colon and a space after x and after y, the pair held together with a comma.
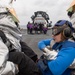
x: 56, y: 31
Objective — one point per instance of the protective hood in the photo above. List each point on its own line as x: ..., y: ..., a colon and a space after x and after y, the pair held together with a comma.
x: 6, y: 23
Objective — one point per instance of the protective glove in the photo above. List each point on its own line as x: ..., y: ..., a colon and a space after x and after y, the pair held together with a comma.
x: 72, y: 66
x: 73, y: 35
x: 49, y: 54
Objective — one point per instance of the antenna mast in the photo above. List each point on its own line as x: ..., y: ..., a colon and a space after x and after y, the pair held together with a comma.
x: 11, y: 1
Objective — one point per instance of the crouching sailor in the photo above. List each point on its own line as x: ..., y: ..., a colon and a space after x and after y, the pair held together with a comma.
x: 59, y: 51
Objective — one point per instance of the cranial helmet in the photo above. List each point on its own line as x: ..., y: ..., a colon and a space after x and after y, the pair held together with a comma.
x: 70, y: 13
x: 63, y: 26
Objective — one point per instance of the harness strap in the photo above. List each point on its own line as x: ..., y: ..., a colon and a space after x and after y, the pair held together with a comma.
x: 3, y: 37
x: 5, y: 40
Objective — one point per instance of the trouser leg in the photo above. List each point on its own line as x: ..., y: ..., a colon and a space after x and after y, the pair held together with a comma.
x: 28, y: 51
x: 25, y: 64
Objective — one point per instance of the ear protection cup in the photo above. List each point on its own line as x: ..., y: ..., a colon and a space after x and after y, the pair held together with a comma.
x: 65, y: 27
x: 67, y: 32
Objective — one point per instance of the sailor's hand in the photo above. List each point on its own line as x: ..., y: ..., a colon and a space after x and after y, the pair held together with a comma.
x: 49, y: 54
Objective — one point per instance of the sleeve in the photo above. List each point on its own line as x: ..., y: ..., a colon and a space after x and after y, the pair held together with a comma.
x: 43, y: 43
x: 6, y: 67
x: 63, y: 60
x: 9, y: 69
x: 3, y: 53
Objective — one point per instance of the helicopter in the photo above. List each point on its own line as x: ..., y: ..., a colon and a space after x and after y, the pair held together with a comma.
x: 41, y: 18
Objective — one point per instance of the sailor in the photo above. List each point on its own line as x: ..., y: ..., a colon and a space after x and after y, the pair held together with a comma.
x: 59, y: 51
x: 16, y: 57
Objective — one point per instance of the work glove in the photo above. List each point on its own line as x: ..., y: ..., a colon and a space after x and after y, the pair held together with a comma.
x: 72, y: 66
x: 74, y: 35
x: 49, y: 54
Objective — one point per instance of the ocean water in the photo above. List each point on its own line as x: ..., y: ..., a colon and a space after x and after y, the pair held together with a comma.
x: 23, y: 26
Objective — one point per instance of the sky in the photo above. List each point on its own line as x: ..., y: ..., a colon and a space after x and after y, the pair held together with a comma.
x: 56, y: 9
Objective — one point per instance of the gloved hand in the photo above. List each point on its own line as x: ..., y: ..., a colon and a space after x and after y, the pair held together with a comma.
x: 74, y: 35
x: 72, y: 66
x: 49, y: 54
